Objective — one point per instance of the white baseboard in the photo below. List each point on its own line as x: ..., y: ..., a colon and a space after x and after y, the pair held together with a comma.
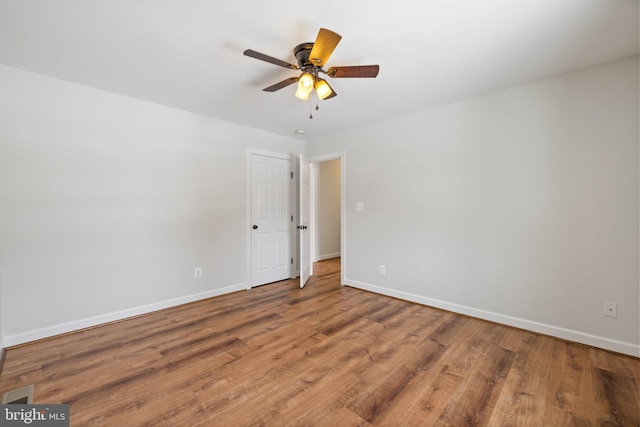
x: 542, y: 328
x: 75, y: 325
x: 328, y: 256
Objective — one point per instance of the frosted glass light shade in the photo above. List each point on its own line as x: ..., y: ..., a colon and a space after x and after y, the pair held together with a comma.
x: 322, y: 89
x: 303, y: 93
x: 305, y: 86
x: 306, y: 80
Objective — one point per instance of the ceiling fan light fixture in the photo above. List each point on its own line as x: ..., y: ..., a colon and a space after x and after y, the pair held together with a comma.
x: 305, y: 86
x: 303, y: 93
x: 323, y: 89
x: 306, y: 81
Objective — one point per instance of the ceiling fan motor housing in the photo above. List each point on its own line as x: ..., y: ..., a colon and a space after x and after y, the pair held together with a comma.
x: 301, y: 53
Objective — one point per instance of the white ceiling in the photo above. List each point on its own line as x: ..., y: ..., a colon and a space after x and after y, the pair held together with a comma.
x: 188, y: 54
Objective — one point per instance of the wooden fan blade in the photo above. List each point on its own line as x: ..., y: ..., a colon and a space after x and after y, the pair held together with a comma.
x: 354, y: 71
x: 270, y: 59
x: 280, y: 85
x: 323, y: 47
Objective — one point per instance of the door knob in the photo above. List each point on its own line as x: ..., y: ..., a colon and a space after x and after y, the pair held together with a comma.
x: 302, y: 227
x: 255, y: 227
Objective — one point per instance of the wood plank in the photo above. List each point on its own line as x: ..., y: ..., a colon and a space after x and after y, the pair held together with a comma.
x: 521, y: 401
x: 620, y: 393
x: 476, y: 398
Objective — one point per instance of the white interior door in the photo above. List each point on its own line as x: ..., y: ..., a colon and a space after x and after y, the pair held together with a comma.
x: 306, y: 266
x: 270, y: 219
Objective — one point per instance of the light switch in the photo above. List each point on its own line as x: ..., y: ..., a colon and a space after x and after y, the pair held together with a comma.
x: 359, y: 207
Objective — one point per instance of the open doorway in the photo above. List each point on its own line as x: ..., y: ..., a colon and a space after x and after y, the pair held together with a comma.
x: 325, y: 210
x: 328, y: 209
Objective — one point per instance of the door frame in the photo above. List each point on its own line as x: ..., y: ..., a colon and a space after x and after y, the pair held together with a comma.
x: 293, y: 239
x: 342, y: 156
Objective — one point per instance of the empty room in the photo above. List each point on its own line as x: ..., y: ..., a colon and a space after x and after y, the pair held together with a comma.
x: 323, y: 213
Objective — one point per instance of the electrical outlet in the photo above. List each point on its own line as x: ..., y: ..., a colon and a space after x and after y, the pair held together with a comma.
x: 610, y: 309
x: 382, y: 270
x: 197, y: 272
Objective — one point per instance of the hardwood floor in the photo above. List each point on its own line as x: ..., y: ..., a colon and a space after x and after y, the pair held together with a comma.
x: 325, y: 355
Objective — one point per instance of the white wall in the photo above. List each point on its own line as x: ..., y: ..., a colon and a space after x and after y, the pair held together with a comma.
x: 107, y: 203
x: 1, y: 333
x: 328, y: 209
x: 519, y: 206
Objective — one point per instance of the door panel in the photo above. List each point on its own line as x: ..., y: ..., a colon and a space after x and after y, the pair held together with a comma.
x: 262, y: 201
x: 282, y: 195
x: 270, y: 219
x: 306, y: 266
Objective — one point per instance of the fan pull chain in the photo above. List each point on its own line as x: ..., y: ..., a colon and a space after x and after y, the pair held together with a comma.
x: 310, y: 114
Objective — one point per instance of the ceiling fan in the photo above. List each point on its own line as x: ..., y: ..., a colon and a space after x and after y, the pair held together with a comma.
x: 311, y: 58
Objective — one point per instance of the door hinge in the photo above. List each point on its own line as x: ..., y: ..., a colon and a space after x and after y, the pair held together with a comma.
x: 291, y: 218
x: 291, y: 175
x: 291, y: 261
